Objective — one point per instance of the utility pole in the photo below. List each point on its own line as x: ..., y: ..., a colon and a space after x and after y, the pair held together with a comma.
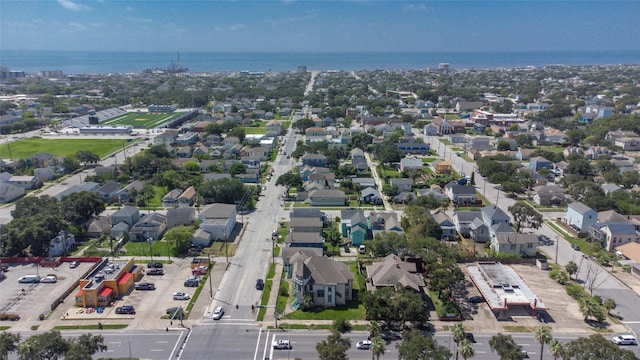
x: 557, y: 240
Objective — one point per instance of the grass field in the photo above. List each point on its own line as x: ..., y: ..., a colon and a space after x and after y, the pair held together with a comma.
x: 141, y: 119
x: 25, y: 148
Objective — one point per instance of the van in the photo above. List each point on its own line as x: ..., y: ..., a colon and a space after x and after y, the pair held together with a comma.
x: 624, y: 340
x: 362, y: 249
x: 27, y: 279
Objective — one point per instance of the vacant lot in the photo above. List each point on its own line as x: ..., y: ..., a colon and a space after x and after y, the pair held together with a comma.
x: 24, y: 148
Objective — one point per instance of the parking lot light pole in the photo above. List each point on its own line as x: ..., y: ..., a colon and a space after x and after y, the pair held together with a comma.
x: 210, y: 286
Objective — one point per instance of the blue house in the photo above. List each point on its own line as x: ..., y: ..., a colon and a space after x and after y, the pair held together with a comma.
x: 355, y: 225
x: 479, y: 128
x: 538, y: 163
x: 580, y: 217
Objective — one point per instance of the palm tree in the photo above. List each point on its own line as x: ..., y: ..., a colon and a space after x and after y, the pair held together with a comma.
x: 378, y: 347
x: 589, y: 307
x: 609, y: 304
x: 543, y: 336
x: 466, y: 349
x: 571, y: 268
x: 557, y: 349
x: 459, y: 333
x: 374, y: 328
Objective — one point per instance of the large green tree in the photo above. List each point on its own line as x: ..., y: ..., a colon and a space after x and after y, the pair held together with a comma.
x: 334, y: 347
x: 524, y: 216
x: 8, y: 343
x: 597, y: 347
x: 78, y: 208
x: 415, y: 346
x: 506, y: 347
x: 46, y: 346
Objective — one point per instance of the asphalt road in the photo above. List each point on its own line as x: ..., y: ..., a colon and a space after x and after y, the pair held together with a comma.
x: 156, y: 345
x: 552, y: 243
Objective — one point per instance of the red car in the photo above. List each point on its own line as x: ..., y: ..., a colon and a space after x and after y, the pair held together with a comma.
x: 200, y: 270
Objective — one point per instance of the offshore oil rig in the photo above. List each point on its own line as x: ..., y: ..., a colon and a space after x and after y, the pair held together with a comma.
x: 175, y: 68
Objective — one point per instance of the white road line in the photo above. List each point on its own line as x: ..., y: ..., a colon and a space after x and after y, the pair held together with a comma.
x: 255, y: 353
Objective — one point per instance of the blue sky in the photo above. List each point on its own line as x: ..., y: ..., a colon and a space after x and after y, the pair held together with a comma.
x: 290, y: 25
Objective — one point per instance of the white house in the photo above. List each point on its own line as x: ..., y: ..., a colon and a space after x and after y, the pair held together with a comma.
x: 580, y: 217
x: 219, y: 220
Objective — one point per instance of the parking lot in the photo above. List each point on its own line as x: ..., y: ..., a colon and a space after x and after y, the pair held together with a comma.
x: 31, y: 300
x: 563, y: 312
x: 150, y: 305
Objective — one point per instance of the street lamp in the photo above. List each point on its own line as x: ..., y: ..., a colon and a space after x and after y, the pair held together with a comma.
x: 149, y: 239
x: 210, y: 286
x: 557, y: 240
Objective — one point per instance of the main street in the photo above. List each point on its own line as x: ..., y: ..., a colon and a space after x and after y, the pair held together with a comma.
x: 551, y: 242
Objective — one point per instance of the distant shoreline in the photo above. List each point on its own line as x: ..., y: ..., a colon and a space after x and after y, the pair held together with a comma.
x: 106, y: 62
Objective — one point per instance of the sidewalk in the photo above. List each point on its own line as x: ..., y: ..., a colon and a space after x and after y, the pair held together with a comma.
x: 269, y: 319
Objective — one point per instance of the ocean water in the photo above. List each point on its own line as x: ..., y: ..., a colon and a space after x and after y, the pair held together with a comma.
x: 91, y: 62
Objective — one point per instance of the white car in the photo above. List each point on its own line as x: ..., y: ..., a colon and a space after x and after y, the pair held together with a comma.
x: 282, y: 344
x: 264, y: 188
x: 180, y: 296
x: 363, y: 345
x: 49, y: 279
x: 218, y: 313
x: 624, y: 340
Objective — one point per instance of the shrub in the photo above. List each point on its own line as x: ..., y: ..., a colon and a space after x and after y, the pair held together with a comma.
x: 283, y: 291
x: 575, y: 291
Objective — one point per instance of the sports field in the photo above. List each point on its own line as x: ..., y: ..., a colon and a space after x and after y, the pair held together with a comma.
x: 24, y: 148
x: 141, y: 119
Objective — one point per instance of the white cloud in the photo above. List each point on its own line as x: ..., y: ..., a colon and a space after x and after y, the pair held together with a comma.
x: 128, y: 8
x: 415, y: 7
x: 77, y: 26
x: 235, y: 27
x: 73, y: 6
x: 98, y: 24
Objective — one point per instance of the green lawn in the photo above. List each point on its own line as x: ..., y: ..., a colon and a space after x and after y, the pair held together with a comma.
x: 25, y: 148
x: 142, y: 119
x: 255, y: 130
x: 429, y: 160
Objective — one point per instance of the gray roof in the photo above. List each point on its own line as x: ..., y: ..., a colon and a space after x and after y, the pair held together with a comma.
x: 188, y: 212
x: 468, y: 216
x: 392, y: 271
x: 305, y: 222
x: 126, y: 211
x: 325, y: 271
x: 297, y: 237
x: 513, y: 238
x: 580, y: 207
x: 402, y: 181
x: 348, y: 213
x: 370, y: 191
x: 619, y: 228
x: 305, y: 212
x: 501, y: 227
x: 217, y: 211
x: 494, y: 212
x: 288, y: 252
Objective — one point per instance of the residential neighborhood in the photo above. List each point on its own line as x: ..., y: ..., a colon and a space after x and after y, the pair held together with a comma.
x: 346, y: 198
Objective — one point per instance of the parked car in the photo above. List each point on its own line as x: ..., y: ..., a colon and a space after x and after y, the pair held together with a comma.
x: 362, y: 249
x: 363, y: 345
x: 218, y: 313
x: 575, y: 247
x: 468, y: 336
x: 127, y: 309
x: 476, y: 299
x: 28, y: 279
x: 180, y: 296
x: 155, y: 271
x: 282, y: 345
x: 200, y: 270
x: 74, y: 264
x: 173, y: 310
x: 49, y: 279
x: 259, y: 284
x: 145, y: 286
x: 155, y: 265
x: 624, y: 340
x: 192, y: 281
